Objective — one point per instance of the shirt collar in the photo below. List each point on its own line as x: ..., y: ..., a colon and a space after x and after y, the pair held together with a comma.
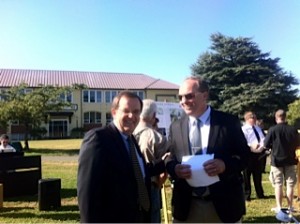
x: 203, y: 118
x: 248, y: 125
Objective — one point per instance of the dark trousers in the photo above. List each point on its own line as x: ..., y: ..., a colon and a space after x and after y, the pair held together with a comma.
x: 264, y: 163
x: 255, y: 169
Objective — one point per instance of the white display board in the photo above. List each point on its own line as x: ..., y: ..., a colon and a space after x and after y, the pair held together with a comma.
x: 167, y: 112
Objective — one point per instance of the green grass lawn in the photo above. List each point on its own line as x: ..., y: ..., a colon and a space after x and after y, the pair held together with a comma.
x: 25, y: 209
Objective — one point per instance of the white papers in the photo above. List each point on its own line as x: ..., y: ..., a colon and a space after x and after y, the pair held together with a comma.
x: 199, y: 177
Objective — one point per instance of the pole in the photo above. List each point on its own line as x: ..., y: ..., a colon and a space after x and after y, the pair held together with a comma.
x: 164, y: 204
x: 1, y: 195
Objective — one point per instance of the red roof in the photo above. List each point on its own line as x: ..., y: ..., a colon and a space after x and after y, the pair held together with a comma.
x: 94, y: 80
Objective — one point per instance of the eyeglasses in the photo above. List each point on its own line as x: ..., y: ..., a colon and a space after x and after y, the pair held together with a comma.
x: 188, y: 96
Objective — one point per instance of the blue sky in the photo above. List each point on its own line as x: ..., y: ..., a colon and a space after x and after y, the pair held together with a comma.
x: 160, y: 38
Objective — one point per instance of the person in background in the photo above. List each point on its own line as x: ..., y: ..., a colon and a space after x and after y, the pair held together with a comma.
x: 113, y: 180
x: 255, y: 139
x: 298, y: 173
x: 153, y: 147
x: 5, y: 147
x: 155, y: 124
x: 206, y: 131
x: 162, y: 131
x: 283, y: 140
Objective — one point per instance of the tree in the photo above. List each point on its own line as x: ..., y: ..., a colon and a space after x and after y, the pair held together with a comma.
x: 242, y: 78
x: 30, y: 108
x: 293, y: 114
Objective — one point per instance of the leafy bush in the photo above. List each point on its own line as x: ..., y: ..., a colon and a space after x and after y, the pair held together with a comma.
x: 38, y: 133
x: 77, y: 133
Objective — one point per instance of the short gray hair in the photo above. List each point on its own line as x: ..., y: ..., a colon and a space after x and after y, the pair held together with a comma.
x: 149, y: 108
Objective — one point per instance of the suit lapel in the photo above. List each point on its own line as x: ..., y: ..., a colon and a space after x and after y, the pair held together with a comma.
x: 185, y: 134
x: 121, y: 147
x: 213, y: 132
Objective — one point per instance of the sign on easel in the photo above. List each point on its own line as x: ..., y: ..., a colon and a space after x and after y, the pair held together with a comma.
x: 167, y: 112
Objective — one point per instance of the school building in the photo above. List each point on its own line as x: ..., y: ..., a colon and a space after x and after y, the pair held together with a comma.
x: 90, y: 107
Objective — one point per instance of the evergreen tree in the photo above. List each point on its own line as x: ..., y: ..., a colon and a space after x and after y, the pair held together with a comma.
x: 293, y: 114
x: 242, y: 78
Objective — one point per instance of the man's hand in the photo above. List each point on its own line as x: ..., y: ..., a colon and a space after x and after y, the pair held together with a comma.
x: 183, y: 171
x: 214, y: 167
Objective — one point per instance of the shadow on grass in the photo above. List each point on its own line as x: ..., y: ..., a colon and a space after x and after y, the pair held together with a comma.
x: 68, y: 193
x: 14, y: 209
x: 69, y: 152
x: 48, y: 215
x: 64, y: 193
x: 262, y: 219
x: 69, y: 213
x: 265, y: 198
x: 29, y: 198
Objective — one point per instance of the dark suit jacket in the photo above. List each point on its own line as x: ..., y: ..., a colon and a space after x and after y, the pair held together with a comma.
x: 227, y: 142
x: 107, y: 189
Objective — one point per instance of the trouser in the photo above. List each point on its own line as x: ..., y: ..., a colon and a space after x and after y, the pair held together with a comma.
x: 155, y: 204
x: 201, y: 211
x: 255, y: 169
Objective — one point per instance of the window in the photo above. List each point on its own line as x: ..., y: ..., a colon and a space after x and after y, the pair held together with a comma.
x: 108, y: 118
x: 25, y: 91
x: 98, y: 96
x: 92, y: 117
x: 66, y: 97
x: 86, y: 96
x: 92, y: 96
x: 3, y: 95
x: 109, y: 95
x: 113, y: 94
x: 140, y: 94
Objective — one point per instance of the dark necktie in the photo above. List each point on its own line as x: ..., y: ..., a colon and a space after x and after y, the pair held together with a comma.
x: 142, y: 190
x: 256, y: 134
x: 196, y: 142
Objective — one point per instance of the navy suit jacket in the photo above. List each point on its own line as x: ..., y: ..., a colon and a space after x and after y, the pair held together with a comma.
x: 106, y: 185
x: 226, y: 142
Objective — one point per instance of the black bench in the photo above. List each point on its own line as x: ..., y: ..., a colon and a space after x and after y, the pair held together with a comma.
x: 17, y: 145
x: 19, y: 174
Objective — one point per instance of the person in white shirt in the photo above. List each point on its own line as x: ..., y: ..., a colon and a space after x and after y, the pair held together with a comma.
x: 255, y: 138
x: 5, y: 147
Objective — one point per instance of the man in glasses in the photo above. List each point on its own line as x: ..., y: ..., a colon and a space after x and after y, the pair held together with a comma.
x: 220, y: 134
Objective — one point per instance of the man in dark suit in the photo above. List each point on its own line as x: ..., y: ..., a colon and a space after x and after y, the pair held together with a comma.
x: 108, y: 184
x: 220, y: 135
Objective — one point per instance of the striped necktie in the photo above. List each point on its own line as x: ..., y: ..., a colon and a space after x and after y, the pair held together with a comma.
x: 196, y: 145
x: 196, y: 142
x: 142, y: 190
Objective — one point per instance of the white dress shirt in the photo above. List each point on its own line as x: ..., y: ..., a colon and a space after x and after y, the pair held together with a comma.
x: 251, y: 137
x: 204, y: 128
x: 8, y: 148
